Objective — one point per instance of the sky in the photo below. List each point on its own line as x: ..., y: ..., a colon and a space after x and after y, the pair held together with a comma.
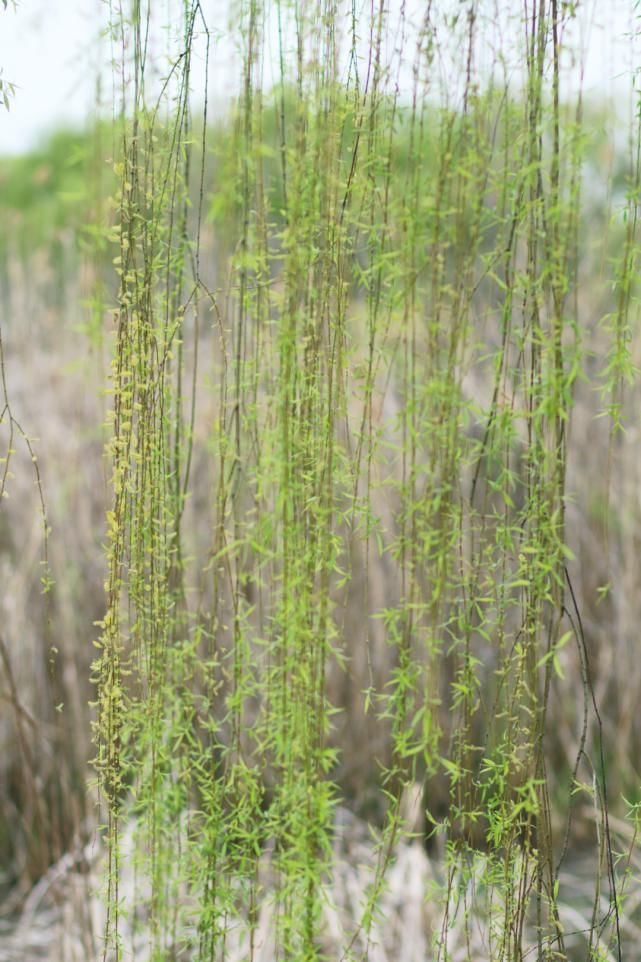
x: 52, y: 51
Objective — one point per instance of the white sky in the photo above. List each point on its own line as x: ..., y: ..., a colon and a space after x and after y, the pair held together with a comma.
x: 51, y: 50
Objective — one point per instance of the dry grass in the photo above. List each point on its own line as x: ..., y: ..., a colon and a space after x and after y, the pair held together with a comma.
x: 54, y: 381
x: 62, y: 917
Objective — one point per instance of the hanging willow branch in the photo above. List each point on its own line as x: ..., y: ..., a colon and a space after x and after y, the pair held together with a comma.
x: 339, y: 449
